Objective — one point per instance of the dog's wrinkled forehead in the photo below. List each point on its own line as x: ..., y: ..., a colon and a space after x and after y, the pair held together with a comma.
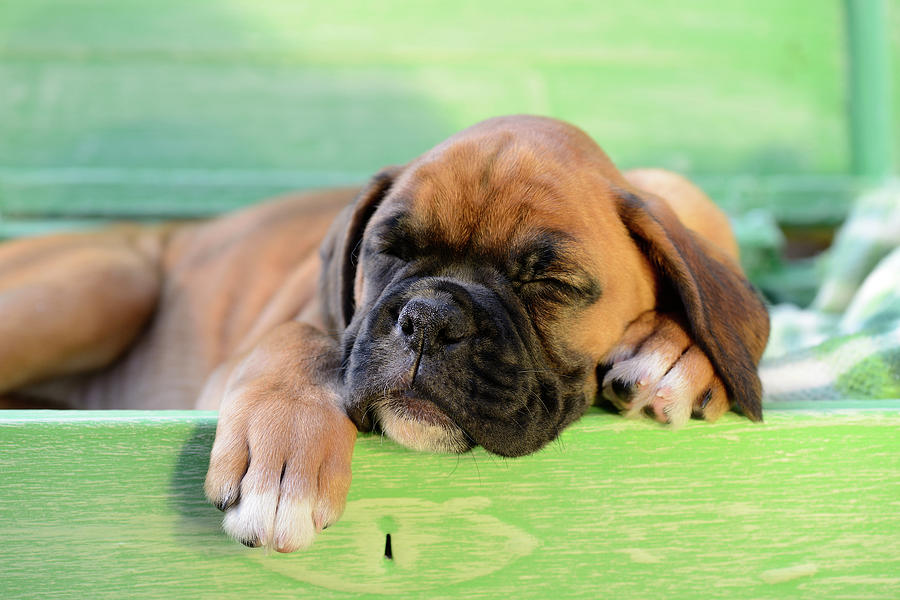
x: 499, y: 185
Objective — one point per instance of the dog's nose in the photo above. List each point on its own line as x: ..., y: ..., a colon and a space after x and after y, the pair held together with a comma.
x: 430, y: 324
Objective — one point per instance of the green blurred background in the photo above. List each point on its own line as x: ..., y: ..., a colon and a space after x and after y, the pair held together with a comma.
x: 162, y: 108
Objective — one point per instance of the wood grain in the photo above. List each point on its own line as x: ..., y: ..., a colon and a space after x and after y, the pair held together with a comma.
x: 110, y: 505
x: 168, y: 108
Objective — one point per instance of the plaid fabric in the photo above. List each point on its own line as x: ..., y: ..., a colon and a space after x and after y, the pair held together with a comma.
x: 846, y: 345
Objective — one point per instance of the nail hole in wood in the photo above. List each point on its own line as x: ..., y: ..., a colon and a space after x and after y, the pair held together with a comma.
x: 388, y: 553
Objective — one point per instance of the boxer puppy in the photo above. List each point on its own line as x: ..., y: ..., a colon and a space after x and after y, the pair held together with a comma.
x: 487, y: 293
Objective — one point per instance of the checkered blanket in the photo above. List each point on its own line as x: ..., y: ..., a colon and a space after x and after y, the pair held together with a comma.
x: 846, y: 345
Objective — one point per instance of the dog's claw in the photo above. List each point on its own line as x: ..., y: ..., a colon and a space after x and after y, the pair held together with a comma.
x: 621, y: 389
x: 225, y: 503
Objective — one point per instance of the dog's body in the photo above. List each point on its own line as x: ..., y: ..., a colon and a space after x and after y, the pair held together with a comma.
x: 485, y: 294
x: 182, y: 299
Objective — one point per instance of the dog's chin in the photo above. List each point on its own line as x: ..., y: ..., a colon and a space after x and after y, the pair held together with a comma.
x: 420, y: 425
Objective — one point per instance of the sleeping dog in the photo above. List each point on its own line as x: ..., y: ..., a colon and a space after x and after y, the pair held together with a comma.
x: 487, y: 293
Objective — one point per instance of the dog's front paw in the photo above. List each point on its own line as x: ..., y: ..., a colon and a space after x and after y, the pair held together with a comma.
x: 657, y: 370
x: 280, y: 465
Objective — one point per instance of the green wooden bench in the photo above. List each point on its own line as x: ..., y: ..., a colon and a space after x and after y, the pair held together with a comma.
x: 164, y: 108
x: 806, y: 505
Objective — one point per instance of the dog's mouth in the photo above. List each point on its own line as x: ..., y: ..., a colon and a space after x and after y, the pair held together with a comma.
x: 418, y: 423
x: 417, y: 408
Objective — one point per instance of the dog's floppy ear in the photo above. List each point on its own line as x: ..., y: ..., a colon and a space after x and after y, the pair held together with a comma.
x: 725, y: 315
x: 340, y: 248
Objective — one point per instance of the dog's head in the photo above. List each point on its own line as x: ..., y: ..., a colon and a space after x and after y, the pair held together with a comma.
x: 477, y: 288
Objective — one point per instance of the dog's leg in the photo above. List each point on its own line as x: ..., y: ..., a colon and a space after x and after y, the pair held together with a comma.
x: 280, y: 464
x: 73, y: 302
x: 656, y: 370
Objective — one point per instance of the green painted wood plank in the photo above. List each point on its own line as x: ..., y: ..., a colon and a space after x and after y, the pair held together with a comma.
x: 100, y: 86
x: 107, y: 505
x: 48, y: 194
x: 156, y: 109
